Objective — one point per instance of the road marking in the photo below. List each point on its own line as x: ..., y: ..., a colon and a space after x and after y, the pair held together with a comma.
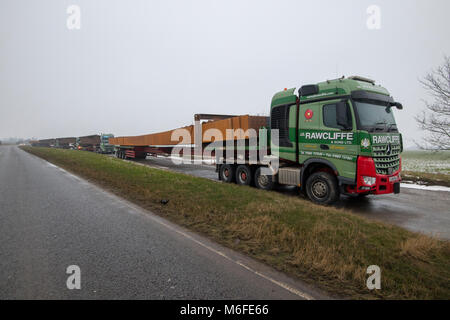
x: 278, y: 283
x: 65, y: 172
x: 159, y: 167
x: 159, y: 220
x: 49, y: 164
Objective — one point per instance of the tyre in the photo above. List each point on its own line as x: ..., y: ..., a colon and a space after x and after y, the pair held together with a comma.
x: 243, y: 175
x: 263, y: 182
x: 227, y: 173
x: 322, y: 188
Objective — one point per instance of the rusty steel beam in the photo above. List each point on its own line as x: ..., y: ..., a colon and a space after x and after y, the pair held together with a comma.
x: 244, y: 122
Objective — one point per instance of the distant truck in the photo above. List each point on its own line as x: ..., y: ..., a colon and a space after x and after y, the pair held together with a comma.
x: 65, y: 143
x: 95, y: 143
x: 44, y: 143
x: 335, y: 137
x: 88, y: 143
x: 105, y: 146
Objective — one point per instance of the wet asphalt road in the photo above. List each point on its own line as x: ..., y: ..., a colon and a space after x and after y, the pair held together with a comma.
x: 416, y: 210
x: 51, y: 219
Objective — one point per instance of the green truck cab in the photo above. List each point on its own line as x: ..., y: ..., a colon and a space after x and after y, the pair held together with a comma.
x: 343, y: 134
x: 105, y: 146
x: 335, y: 137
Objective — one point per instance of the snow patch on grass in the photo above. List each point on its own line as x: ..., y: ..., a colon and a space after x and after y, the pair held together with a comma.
x: 423, y: 187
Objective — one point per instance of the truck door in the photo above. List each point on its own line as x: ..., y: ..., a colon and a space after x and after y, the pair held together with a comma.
x: 308, y: 125
x: 322, y: 137
x: 283, y: 118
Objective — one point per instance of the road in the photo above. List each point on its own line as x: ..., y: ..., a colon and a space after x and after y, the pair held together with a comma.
x: 51, y: 219
x: 417, y: 210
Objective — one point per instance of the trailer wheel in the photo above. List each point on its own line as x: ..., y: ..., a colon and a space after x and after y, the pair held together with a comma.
x: 227, y: 173
x: 322, y: 188
x: 243, y: 175
x: 264, y: 182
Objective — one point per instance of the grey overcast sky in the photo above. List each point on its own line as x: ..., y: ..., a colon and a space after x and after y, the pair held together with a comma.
x: 138, y: 67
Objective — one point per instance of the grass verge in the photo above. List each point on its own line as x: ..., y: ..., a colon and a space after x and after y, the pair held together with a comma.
x: 324, y: 246
x: 430, y: 179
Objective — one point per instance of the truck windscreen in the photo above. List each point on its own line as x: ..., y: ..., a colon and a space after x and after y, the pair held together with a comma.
x: 375, y: 116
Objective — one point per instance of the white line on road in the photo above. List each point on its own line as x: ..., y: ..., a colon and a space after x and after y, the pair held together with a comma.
x: 278, y: 283
x: 184, y: 234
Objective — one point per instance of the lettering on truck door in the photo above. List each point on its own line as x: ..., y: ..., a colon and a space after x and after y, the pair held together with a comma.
x: 308, y: 123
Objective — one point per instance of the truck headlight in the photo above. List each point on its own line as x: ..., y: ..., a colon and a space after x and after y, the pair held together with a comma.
x: 370, y: 181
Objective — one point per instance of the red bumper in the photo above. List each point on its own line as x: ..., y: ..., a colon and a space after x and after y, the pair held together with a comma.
x: 384, y: 184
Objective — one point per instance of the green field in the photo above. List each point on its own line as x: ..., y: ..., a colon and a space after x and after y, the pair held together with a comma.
x: 327, y: 247
x: 427, y: 166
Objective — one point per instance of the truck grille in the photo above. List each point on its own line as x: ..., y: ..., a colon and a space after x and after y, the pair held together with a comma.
x: 386, y: 162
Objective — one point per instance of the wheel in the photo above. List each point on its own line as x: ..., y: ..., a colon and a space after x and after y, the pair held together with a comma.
x: 264, y: 182
x: 322, y: 188
x: 243, y: 175
x: 227, y: 172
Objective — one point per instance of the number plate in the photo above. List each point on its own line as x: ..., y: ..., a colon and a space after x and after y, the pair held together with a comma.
x: 393, y: 179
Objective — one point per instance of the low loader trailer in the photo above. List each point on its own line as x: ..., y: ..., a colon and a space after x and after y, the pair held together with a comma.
x: 88, y: 143
x: 335, y: 137
x: 138, y: 147
x: 65, y: 143
x: 48, y: 143
x: 94, y: 143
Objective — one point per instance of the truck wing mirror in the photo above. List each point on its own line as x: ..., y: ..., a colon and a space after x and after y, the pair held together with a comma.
x: 342, y: 116
x: 398, y: 105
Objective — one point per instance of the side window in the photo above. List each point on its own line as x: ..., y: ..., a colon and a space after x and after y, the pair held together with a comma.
x: 329, y: 116
x: 279, y: 119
